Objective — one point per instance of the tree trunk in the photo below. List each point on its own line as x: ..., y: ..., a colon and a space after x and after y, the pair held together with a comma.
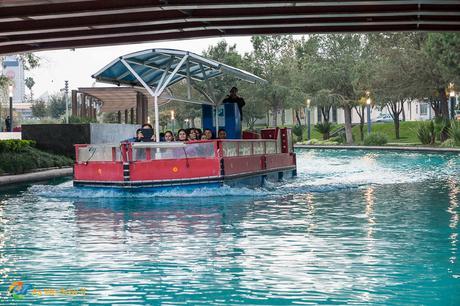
x: 275, y: 117
x: 297, y: 117
x: 348, y: 131
x: 283, y: 115
x: 436, y: 107
x: 396, y: 122
x: 403, y: 114
x: 444, y: 103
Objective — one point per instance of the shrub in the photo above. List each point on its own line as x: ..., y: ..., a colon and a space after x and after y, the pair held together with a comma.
x: 15, y: 145
x: 76, y: 119
x: 29, y: 159
x: 425, y: 132
x: 375, y: 139
x: 324, y: 128
x: 441, y: 128
x: 449, y: 143
x: 297, y: 131
x: 340, y: 138
x: 454, y: 132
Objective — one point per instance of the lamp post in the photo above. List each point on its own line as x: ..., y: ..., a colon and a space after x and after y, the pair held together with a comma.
x: 368, y: 102
x: 10, y: 92
x: 172, y: 120
x: 66, y: 94
x: 452, y: 101
x: 308, y: 119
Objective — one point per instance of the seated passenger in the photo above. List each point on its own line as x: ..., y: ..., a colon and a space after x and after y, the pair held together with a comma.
x: 198, y: 133
x: 208, y: 134
x: 192, y: 135
x: 169, y: 136
x: 146, y: 129
x: 222, y: 134
x: 181, y: 135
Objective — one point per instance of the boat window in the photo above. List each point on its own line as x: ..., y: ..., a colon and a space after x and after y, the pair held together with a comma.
x: 98, y: 153
x: 270, y: 147
x: 193, y: 150
x: 230, y: 148
x: 244, y: 148
x: 258, y: 147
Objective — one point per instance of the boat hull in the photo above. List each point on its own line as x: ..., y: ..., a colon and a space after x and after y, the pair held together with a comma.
x: 242, y: 180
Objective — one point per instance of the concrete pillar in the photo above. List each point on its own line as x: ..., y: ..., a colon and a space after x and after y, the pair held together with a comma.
x: 145, y: 109
x: 83, y: 105
x: 74, y: 103
x: 119, y: 116
x: 139, y: 108
x: 90, y: 110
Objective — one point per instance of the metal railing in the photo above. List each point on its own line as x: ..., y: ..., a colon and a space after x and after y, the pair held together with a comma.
x: 231, y: 148
x: 147, y: 151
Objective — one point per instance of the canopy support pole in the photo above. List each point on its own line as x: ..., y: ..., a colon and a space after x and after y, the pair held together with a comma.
x: 153, y: 94
x: 157, y: 119
x: 213, y: 96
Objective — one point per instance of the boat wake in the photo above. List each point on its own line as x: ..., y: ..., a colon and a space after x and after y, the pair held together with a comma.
x: 318, y: 171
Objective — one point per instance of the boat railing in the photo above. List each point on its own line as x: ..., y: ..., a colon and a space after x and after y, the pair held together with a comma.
x: 146, y: 151
x: 171, y: 150
x: 246, y: 147
x: 98, y: 152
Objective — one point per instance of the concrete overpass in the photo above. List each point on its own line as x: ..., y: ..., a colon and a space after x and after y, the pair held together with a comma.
x: 32, y: 25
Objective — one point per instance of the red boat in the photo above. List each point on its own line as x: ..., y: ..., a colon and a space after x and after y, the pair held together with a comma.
x: 244, y: 159
x: 195, y: 163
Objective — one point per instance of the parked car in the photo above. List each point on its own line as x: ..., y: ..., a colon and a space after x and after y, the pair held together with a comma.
x: 384, y: 118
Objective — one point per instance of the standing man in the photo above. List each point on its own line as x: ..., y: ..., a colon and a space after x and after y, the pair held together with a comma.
x: 234, y: 98
x: 8, y: 124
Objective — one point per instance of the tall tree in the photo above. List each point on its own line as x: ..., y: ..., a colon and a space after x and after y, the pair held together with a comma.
x: 272, y: 58
x: 56, y: 106
x: 39, y: 109
x: 30, y: 82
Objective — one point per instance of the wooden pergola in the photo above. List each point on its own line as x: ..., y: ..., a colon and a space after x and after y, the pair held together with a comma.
x: 128, y: 101
x: 31, y: 25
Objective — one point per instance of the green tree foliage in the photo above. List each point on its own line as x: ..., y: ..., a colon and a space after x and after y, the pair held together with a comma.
x: 56, y: 106
x: 272, y: 59
x: 444, y: 49
x: 39, y: 109
x: 30, y: 82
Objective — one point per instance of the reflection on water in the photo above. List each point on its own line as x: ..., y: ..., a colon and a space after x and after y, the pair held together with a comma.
x: 353, y: 228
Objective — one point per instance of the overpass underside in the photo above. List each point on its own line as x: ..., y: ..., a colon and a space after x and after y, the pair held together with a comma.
x: 31, y: 25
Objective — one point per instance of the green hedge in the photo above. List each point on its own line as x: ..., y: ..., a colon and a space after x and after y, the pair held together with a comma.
x: 375, y: 139
x: 19, y: 156
x: 14, y: 145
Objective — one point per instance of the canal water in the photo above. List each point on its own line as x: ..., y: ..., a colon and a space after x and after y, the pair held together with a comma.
x: 355, y: 227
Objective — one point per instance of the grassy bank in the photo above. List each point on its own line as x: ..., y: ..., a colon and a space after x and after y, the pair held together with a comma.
x: 20, y: 156
x: 407, y: 131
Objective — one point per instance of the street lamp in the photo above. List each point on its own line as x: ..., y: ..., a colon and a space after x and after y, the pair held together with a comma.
x: 172, y: 119
x: 10, y: 93
x: 368, y: 102
x: 452, y: 101
x: 308, y: 119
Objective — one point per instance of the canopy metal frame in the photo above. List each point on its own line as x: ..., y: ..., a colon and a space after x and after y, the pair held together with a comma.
x: 156, y: 70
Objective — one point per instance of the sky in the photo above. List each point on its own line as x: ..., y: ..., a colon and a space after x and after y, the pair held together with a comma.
x: 78, y: 65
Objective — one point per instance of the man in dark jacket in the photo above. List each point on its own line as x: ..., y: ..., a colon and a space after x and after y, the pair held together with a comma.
x: 234, y: 98
x: 8, y: 124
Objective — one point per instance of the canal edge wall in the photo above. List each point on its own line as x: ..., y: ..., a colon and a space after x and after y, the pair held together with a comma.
x: 35, y: 176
